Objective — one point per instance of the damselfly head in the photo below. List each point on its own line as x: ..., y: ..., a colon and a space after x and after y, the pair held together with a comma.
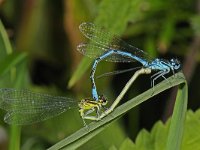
x: 175, y: 64
x: 103, y: 100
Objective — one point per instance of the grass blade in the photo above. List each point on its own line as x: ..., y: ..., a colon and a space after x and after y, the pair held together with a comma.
x: 11, y: 61
x: 178, y: 118
x: 5, y: 46
x: 82, y: 68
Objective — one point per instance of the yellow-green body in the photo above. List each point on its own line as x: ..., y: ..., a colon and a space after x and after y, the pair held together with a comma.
x: 87, y: 106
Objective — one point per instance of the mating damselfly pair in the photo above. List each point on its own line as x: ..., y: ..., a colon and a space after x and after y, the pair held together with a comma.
x: 26, y: 107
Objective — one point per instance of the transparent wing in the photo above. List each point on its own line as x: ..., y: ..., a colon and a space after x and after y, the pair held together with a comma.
x: 108, y: 40
x: 117, y: 72
x: 94, y: 50
x: 26, y: 107
x: 26, y: 117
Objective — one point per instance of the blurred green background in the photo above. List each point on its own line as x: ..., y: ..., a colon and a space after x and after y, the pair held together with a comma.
x: 44, y: 35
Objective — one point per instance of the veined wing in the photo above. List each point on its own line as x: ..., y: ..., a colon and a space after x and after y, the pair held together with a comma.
x: 26, y: 107
x: 108, y: 40
x: 94, y: 50
x: 117, y: 72
x: 26, y: 117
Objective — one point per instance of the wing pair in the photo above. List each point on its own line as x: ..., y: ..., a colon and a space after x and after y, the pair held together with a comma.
x: 26, y: 107
x: 102, y: 41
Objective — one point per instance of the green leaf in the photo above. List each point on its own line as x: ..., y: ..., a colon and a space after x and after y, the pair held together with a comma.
x: 178, y: 119
x: 5, y: 46
x: 108, y: 12
x: 113, y: 148
x: 167, y: 34
x: 157, y: 138
x: 159, y: 135
x: 10, y: 61
x: 81, y: 69
x: 83, y: 135
x: 127, y: 145
x: 191, y: 135
x: 144, y: 140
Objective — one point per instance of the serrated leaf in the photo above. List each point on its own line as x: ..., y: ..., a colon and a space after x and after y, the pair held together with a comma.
x: 113, y: 148
x: 127, y: 145
x: 191, y: 138
x: 144, y: 140
x: 158, y: 135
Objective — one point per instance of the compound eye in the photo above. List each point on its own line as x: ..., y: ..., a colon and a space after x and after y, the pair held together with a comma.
x: 172, y: 61
x: 104, y: 101
x: 175, y: 63
x: 101, y: 97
